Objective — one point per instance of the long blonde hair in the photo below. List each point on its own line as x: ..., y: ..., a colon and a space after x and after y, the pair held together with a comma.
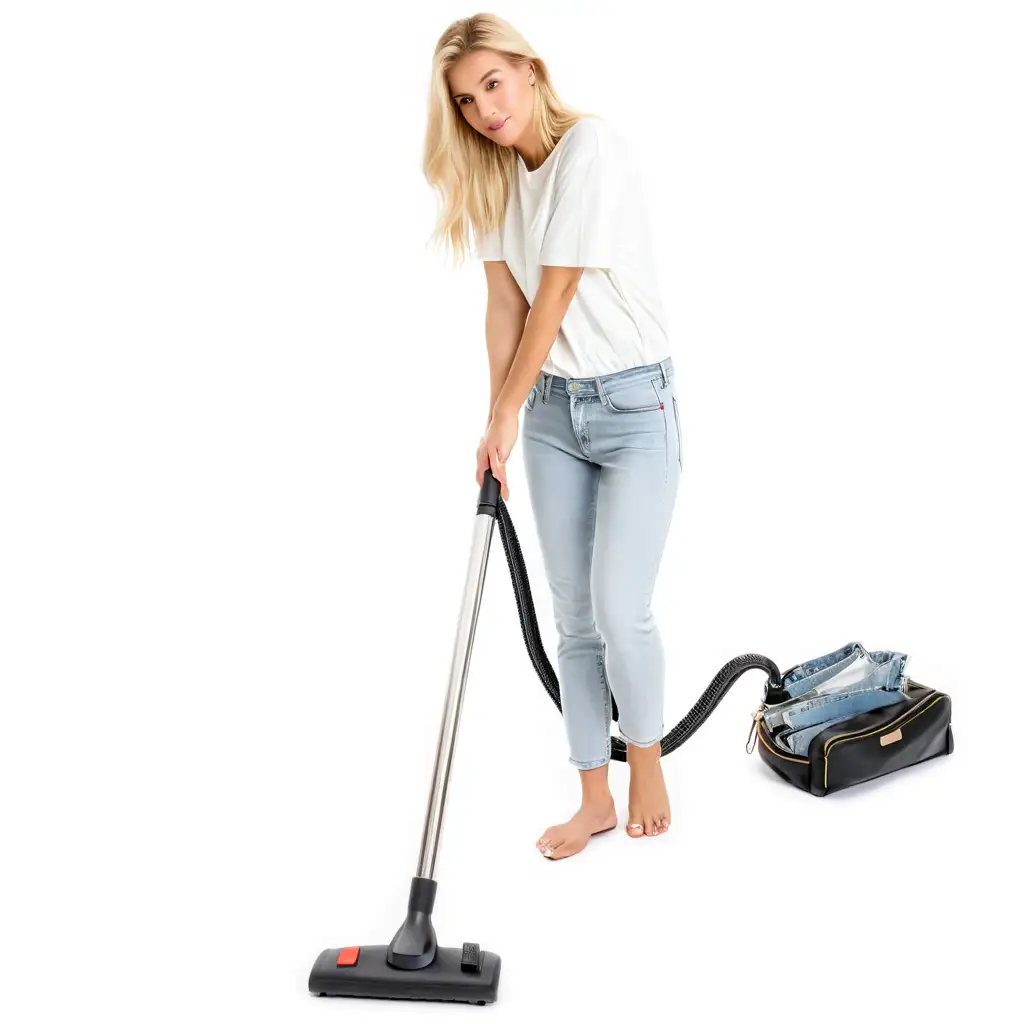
x: 472, y: 174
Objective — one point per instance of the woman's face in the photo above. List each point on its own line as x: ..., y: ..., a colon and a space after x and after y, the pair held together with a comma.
x: 495, y: 97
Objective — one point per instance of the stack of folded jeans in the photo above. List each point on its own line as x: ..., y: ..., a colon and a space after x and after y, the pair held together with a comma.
x: 832, y: 688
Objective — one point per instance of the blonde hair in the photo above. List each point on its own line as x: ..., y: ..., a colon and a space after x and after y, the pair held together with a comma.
x: 472, y: 174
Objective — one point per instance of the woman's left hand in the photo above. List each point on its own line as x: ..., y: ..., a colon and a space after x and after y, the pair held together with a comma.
x: 499, y: 440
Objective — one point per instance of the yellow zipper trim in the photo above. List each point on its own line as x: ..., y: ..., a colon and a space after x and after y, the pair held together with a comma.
x: 799, y: 760
x: 913, y: 712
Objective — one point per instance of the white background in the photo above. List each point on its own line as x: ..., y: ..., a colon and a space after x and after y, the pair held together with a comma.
x: 240, y: 398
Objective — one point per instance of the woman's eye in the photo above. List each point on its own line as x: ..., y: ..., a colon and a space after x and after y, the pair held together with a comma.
x: 462, y: 99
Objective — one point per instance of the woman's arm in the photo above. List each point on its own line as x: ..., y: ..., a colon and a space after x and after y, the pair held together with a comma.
x: 515, y: 378
x: 507, y: 310
x: 554, y: 293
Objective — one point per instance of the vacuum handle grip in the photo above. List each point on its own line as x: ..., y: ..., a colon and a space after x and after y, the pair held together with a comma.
x: 490, y: 492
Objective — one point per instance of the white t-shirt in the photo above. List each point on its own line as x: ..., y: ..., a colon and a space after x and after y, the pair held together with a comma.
x: 583, y: 207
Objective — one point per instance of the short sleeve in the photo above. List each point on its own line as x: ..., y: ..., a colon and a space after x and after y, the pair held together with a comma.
x: 488, y: 247
x: 580, y: 231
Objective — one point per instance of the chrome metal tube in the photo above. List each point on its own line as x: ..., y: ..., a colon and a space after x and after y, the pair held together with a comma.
x: 471, y: 595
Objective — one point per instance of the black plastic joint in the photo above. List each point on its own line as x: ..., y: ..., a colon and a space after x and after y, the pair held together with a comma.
x: 490, y: 492
x: 421, y: 894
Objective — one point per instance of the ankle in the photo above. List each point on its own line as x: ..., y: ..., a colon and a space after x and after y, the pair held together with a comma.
x: 597, y: 798
x: 596, y: 791
x: 643, y: 758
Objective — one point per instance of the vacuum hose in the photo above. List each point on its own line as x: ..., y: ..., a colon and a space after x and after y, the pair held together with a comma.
x: 697, y: 715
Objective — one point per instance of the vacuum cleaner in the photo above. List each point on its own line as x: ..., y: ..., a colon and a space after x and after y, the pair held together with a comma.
x: 412, y: 965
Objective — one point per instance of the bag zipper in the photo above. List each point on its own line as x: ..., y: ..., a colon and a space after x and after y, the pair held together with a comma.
x: 758, y: 715
x: 913, y: 713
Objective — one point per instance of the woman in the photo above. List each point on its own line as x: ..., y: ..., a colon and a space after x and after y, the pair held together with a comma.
x: 575, y: 329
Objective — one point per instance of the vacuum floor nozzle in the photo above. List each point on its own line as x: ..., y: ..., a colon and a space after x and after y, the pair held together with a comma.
x: 464, y: 974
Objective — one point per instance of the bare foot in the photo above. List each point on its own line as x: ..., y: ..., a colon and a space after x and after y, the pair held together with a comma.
x: 649, y: 813
x: 570, y: 837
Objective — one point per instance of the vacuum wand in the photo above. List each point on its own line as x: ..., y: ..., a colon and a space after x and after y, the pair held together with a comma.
x: 464, y: 636
x: 413, y: 966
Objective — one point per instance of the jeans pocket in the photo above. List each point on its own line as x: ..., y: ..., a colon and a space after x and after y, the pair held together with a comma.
x: 640, y: 396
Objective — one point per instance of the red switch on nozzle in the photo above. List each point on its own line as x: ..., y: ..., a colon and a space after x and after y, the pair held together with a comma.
x: 348, y: 956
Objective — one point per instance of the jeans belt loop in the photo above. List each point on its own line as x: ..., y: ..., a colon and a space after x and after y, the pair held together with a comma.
x: 601, y: 391
x: 664, y: 375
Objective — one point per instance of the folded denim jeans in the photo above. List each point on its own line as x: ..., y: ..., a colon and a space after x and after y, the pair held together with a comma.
x: 799, y: 680
x: 851, y: 670
x: 821, y: 712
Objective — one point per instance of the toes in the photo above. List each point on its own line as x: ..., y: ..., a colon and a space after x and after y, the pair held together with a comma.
x: 648, y: 825
x: 548, y: 844
x: 562, y: 849
x: 557, y: 847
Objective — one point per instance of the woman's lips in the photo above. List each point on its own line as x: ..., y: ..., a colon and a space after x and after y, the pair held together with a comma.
x: 499, y: 126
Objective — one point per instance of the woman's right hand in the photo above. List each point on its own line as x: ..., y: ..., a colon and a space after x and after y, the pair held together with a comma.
x: 483, y: 462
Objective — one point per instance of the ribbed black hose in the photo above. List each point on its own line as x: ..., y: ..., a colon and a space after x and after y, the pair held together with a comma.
x: 695, y: 717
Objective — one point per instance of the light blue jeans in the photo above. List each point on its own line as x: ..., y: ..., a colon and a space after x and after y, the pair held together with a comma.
x: 835, y: 687
x: 603, y: 460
